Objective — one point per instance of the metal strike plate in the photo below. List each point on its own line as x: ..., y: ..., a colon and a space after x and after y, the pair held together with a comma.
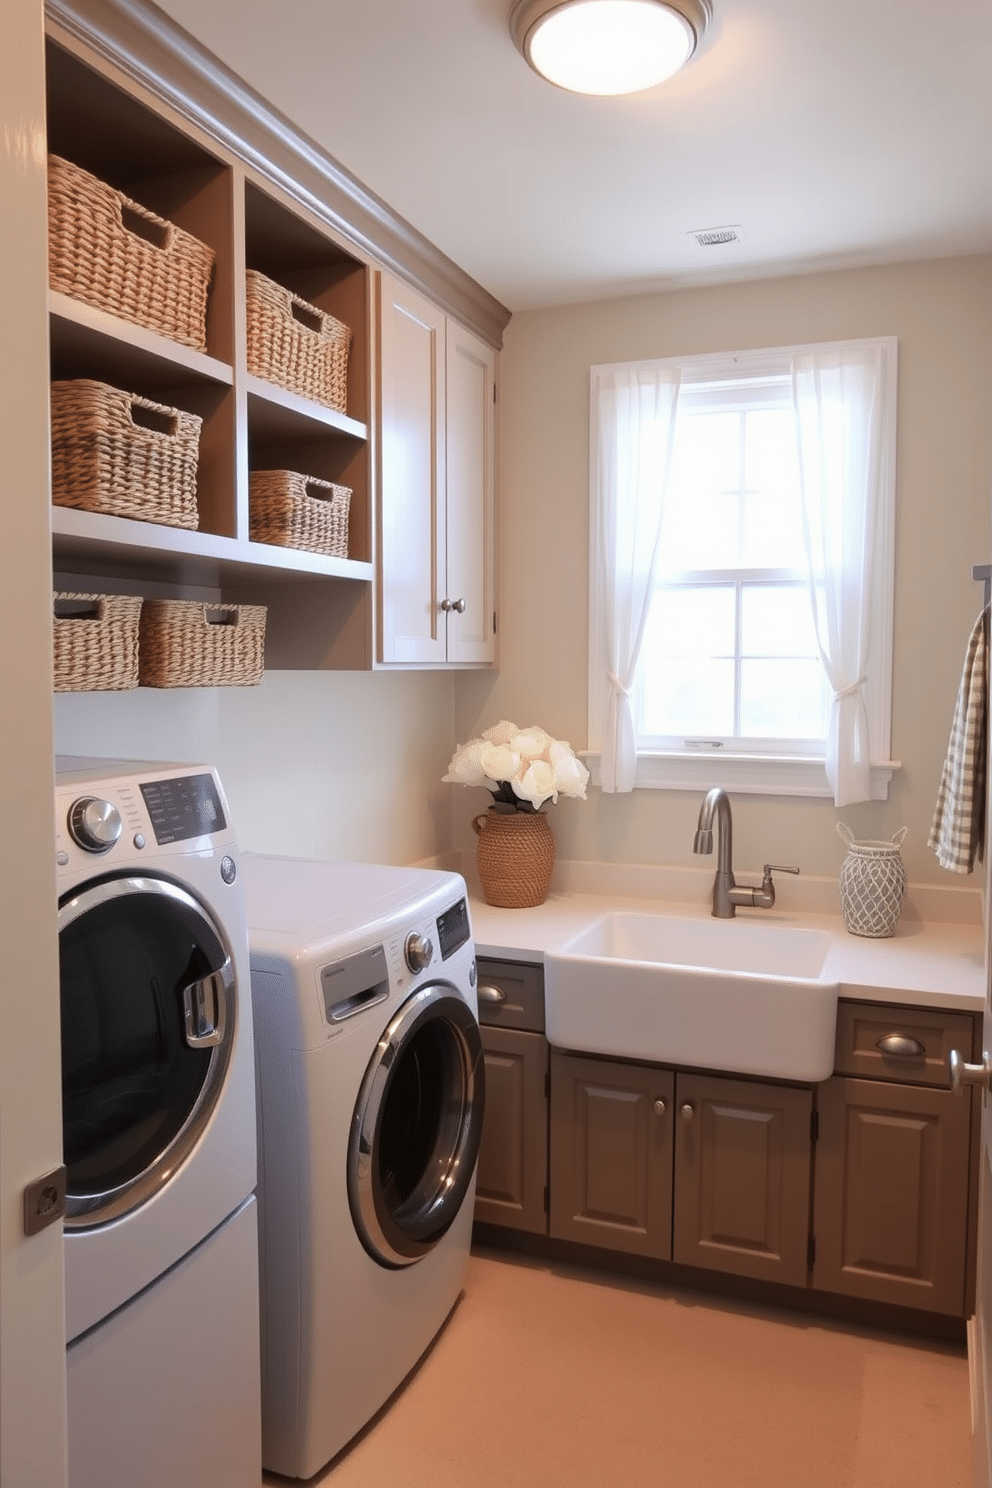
x: 44, y: 1201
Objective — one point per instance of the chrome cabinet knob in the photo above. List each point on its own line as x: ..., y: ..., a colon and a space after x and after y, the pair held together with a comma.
x: 660, y: 1107
x: 687, y: 1110
x: 94, y: 824
x: 453, y: 604
x: 963, y: 1074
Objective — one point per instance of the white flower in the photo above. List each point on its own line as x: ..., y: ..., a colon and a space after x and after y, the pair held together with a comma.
x: 571, y: 775
x: 501, y: 733
x: 465, y: 768
x: 498, y: 762
x: 532, y: 743
x: 537, y: 783
x: 522, y: 768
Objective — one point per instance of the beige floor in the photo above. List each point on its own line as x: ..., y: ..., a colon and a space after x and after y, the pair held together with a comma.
x: 556, y: 1377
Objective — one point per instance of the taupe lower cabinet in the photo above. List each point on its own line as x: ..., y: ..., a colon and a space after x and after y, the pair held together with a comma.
x: 511, y: 1186
x: 893, y: 1161
x: 680, y: 1166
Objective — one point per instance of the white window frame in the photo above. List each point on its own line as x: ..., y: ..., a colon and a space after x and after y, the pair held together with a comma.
x: 754, y: 772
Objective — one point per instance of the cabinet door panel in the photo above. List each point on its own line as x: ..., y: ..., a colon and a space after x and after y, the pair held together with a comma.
x: 412, y: 535
x: 611, y: 1154
x: 742, y: 1177
x: 513, y: 1159
x: 891, y: 1208
x: 471, y: 470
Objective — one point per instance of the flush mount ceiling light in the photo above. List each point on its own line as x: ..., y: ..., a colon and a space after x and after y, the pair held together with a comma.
x: 608, y: 46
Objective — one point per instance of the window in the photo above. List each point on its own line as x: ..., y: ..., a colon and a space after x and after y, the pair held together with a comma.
x: 741, y: 570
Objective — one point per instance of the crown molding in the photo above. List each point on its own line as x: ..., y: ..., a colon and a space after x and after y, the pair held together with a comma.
x: 148, y: 48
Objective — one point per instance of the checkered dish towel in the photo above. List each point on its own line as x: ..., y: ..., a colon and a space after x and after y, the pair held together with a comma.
x: 958, y: 832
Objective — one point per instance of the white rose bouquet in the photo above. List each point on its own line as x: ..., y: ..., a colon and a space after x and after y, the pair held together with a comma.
x: 521, y: 768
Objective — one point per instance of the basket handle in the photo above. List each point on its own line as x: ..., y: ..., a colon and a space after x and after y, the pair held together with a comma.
x: 140, y: 223
x: 152, y: 416
x: 214, y: 616
x: 843, y: 830
x: 79, y: 606
x: 306, y: 315
x: 479, y: 823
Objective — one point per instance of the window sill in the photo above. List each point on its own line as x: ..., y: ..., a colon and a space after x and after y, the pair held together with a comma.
x: 745, y: 774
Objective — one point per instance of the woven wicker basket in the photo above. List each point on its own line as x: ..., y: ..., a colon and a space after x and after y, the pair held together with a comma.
x: 188, y: 644
x: 515, y: 855
x: 105, y: 249
x: 116, y: 453
x: 95, y: 638
x: 872, y: 884
x: 298, y: 511
x: 295, y: 345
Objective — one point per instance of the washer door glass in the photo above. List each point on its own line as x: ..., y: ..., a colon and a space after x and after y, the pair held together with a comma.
x: 148, y: 1019
x: 417, y: 1126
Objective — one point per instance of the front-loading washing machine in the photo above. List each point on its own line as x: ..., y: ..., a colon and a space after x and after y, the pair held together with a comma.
x: 158, y: 1094
x: 371, y: 1094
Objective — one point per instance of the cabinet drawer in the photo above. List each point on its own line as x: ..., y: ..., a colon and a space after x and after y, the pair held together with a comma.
x: 885, y: 1042
x: 511, y: 994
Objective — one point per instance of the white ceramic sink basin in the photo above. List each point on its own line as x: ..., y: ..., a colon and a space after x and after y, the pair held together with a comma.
x: 705, y: 993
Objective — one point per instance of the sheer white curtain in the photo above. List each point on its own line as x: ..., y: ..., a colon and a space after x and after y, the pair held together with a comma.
x: 839, y: 403
x: 632, y: 429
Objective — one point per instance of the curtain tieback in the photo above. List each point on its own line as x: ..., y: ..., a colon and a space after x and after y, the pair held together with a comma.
x: 850, y: 689
x: 617, y: 685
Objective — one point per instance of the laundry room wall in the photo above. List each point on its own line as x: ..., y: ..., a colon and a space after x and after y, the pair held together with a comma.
x: 941, y: 312
x: 337, y: 765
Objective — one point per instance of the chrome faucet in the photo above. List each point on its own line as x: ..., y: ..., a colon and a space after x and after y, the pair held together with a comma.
x: 727, y: 894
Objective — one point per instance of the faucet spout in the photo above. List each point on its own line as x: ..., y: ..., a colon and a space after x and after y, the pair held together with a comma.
x: 726, y: 894
x: 716, y: 804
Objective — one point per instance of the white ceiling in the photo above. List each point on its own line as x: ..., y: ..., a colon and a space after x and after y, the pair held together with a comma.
x: 834, y: 132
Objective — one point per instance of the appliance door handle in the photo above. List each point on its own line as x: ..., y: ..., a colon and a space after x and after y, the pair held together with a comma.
x: 205, y: 1007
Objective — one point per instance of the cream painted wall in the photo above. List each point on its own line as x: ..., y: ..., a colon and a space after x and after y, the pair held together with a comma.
x: 941, y: 313
x: 336, y: 765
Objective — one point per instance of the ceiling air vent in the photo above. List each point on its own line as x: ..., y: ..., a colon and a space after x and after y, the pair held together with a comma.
x: 718, y: 237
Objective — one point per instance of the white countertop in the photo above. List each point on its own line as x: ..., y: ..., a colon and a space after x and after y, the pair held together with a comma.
x: 939, y: 962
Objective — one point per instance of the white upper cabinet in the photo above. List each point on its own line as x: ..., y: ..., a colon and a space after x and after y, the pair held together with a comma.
x: 436, y: 570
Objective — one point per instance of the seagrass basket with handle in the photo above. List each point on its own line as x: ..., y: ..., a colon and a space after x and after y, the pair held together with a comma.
x: 293, y: 344
x: 123, y: 455
x: 293, y: 510
x: 114, y: 254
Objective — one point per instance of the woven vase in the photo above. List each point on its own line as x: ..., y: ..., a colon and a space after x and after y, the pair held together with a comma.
x: 872, y: 884
x: 516, y: 853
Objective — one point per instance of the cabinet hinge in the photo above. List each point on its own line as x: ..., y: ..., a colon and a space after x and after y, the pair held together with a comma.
x: 814, y: 1126
x: 811, y: 1253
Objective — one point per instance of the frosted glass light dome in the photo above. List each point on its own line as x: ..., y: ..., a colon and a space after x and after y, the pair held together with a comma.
x: 608, y: 47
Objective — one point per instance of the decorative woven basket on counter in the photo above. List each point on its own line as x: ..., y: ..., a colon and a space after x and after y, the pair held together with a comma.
x: 872, y: 884
x: 122, y: 455
x: 298, y: 511
x: 109, y: 251
x: 95, y: 638
x: 515, y: 855
x: 295, y: 345
x: 184, y: 643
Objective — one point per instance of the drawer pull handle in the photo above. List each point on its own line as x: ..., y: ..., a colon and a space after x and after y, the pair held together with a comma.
x: 488, y: 993
x: 900, y: 1046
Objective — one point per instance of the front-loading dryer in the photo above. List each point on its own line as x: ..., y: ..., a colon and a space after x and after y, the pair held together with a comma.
x: 371, y: 1094
x: 158, y: 1094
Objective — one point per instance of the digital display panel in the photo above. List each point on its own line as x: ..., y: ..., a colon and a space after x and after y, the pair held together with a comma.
x: 453, y: 929
x: 188, y: 806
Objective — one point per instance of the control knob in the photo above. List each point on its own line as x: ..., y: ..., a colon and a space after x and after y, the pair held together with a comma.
x: 94, y: 824
x: 419, y: 951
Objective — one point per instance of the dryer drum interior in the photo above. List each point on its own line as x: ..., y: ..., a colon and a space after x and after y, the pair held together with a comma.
x: 148, y: 1016
x: 417, y: 1127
